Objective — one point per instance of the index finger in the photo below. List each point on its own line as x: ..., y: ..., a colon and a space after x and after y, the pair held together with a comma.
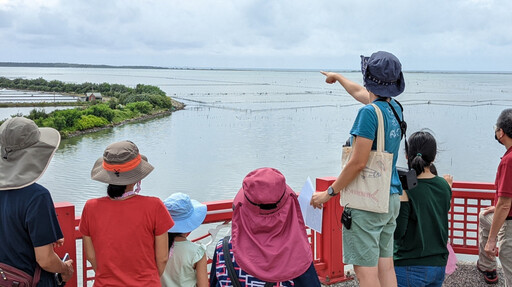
x: 323, y: 73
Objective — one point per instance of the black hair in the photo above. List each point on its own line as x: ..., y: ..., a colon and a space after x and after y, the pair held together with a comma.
x: 422, y: 151
x: 433, y: 169
x: 114, y: 191
x: 504, y: 122
x: 172, y: 236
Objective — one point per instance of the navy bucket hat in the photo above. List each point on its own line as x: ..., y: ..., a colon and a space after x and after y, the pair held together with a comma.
x: 382, y: 74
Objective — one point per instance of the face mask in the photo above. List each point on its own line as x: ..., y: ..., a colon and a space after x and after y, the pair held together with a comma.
x: 137, y: 188
x: 495, y: 137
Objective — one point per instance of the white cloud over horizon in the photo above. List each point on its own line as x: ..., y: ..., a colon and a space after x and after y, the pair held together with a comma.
x: 458, y: 35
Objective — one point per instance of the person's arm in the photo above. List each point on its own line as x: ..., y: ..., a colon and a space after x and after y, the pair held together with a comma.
x: 354, y: 89
x: 403, y: 217
x: 202, y: 272
x: 360, y: 154
x: 213, y: 269
x: 50, y: 262
x: 500, y: 215
x: 161, y: 252
x: 90, y: 254
x: 449, y: 179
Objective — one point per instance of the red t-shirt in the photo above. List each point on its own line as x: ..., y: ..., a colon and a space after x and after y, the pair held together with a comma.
x: 504, y: 178
x: 123, y: 235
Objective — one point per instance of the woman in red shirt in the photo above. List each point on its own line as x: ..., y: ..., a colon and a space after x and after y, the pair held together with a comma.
x: 125, y: 234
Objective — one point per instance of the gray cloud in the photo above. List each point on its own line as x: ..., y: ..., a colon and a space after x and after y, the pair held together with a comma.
x: 255, y: 33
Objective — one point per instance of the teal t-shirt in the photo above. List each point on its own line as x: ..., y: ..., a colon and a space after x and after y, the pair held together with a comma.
x: 366, y: 124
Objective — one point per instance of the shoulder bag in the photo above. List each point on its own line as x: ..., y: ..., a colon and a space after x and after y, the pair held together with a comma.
x: 370, y: 189
x: 12, y: 276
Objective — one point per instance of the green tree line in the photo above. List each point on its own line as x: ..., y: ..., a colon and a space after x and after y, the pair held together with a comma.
x: 123, y: 103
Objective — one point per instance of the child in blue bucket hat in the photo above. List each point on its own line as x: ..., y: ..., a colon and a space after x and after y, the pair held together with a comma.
x: 187, y: 264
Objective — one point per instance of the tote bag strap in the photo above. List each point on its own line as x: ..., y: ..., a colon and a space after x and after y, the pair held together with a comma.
x: 229, y: 263
x: 380, y: 129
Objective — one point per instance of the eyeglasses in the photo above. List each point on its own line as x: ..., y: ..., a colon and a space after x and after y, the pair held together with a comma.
x: 496, y: 128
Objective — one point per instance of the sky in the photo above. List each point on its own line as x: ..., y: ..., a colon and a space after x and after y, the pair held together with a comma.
x: 435, y: 35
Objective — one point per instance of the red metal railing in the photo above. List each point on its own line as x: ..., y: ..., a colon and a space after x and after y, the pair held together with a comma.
x: 468, y: 198
x: 467, y: 201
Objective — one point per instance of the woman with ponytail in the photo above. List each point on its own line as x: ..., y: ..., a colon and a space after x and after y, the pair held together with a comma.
x: 421, y: 233
x: 124, y: 233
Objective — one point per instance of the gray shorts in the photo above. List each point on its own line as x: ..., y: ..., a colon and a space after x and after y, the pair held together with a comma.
x: 371, y: 235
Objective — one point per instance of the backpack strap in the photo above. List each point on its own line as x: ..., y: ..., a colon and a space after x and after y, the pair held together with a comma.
x: 229, y: 263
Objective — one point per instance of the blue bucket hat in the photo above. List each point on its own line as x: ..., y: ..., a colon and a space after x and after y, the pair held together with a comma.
x: 187, y: 213
x: 382, y: 74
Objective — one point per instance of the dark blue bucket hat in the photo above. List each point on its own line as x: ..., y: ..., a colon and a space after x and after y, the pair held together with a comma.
x: 382, y: 74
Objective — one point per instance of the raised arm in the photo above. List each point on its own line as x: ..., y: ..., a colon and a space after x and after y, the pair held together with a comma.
x: 357, y: 91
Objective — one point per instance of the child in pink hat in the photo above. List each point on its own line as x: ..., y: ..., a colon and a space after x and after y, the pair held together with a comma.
x: 269, y: 243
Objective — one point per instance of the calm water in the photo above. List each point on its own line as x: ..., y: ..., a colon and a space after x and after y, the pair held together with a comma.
x: 236, y: 121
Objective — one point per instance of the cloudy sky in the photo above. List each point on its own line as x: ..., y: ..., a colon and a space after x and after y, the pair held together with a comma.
x: 447, y: 35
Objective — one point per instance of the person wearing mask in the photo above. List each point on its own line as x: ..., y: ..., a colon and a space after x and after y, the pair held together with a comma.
x: 495, y: 222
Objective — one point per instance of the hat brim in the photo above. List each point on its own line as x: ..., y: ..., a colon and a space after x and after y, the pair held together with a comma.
x: 125, y: 178
x: 188, y: 224
x: 24, y: 167
x: 386, y: 91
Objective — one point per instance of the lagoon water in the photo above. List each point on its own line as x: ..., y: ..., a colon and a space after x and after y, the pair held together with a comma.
x: 236, y: 121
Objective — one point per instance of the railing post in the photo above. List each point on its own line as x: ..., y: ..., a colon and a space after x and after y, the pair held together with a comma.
x: 330, y: 245
x: 66, y: 216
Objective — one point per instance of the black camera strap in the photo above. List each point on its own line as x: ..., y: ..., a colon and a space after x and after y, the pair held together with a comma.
x: 401, y: 122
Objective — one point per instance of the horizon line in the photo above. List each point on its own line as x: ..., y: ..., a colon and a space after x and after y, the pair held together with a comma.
x: 105, y: 66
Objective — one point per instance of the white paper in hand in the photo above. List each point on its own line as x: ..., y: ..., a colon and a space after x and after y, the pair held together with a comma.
x: 312, y: 217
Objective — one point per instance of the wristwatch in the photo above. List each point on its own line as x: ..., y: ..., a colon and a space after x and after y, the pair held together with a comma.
x: 330, y: 191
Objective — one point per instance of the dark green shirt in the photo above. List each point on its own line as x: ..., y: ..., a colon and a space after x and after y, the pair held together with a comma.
x: 421, y: 231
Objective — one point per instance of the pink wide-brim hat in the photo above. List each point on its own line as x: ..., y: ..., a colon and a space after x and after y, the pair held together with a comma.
x: 268, y: 235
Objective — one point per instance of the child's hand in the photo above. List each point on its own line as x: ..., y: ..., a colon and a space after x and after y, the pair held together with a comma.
x: 449, y: 179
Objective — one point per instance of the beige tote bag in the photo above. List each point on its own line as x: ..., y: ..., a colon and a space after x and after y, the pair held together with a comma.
x: 370, y: 189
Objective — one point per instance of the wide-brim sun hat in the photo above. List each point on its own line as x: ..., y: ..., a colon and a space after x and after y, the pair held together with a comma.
x: 382, y: 74
x: 26, y: 152
x: 268, y: 231
x: 121, y: 164
x: 187, y: 213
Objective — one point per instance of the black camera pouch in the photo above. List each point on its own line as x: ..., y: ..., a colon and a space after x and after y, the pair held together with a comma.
x: 346, y: 218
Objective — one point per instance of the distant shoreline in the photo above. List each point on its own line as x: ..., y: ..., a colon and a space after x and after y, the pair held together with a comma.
x: 93, y: 66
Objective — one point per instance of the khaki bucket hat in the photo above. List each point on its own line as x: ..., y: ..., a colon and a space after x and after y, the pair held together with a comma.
x: 121, y: 164
x: 26, y: 151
